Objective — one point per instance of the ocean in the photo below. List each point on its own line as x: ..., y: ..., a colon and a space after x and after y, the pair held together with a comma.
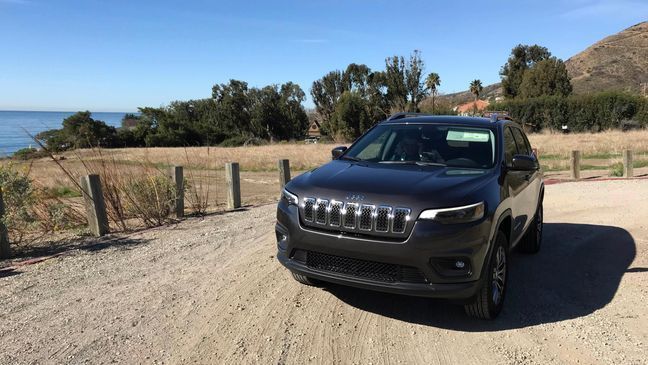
x: 13, y: 125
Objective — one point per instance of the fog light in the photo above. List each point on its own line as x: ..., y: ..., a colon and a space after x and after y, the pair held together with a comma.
x: 460, y: 264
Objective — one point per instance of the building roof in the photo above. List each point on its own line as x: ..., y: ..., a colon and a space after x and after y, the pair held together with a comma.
x: 470, y: 106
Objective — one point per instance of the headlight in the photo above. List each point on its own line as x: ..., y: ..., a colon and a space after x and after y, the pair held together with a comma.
x: 289, y: 197
x: 467, y: 213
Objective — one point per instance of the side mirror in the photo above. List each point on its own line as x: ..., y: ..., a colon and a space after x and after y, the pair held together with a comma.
x: 338, y: 151
x: 524, y: 163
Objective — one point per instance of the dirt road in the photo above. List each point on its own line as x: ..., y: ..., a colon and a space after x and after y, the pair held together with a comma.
x: 211, y: 291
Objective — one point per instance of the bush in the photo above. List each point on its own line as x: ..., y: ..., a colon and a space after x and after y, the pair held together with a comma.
x: 150, y: 199
x: 19, y: 197
x: 28, y: 154
x: 593, y: 113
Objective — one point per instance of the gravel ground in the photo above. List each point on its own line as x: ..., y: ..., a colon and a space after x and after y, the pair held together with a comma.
x: 211, y: 291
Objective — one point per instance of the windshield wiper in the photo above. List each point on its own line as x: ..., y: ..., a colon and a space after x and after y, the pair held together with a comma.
x: 419, y: 163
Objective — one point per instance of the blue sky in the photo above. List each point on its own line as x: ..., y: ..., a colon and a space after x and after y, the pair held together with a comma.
x: 117, y: 55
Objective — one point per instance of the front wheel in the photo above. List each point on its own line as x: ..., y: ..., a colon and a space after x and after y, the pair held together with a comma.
x: 490, y: 298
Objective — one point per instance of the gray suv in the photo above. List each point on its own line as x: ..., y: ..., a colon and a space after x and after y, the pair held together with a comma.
x: 419, y: 205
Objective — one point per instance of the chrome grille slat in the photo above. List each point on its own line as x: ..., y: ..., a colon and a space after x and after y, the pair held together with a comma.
x: 399, y: 222
x: 321, y: 212
x: 351, y: 216
x: 366, y: 217
x: 383, y: 217
x: 335, y: 213
x: 308, y: 209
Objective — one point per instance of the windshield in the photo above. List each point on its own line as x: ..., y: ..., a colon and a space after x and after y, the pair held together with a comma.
x: 421, y: 144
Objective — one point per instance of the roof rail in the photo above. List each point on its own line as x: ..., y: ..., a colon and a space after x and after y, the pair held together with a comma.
x: 496, y: 115
x: 402, y: 115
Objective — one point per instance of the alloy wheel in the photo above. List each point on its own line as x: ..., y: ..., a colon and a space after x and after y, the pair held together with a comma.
x: 499, y: 275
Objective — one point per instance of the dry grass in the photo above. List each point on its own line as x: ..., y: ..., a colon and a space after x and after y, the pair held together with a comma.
x: 590, y: 144
x: 255, y: 158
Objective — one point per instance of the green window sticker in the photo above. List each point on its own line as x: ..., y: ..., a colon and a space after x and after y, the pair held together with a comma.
x: 468, y: 136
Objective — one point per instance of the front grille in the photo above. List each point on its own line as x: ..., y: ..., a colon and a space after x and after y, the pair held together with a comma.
x: 377, y: 271
x: 349, y: 216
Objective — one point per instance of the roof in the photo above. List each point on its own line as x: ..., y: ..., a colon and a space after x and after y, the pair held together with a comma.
x: 469, y: 106
x: 444, y: 119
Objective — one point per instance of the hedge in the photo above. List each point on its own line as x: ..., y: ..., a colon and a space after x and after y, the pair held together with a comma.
x: 593, y: 113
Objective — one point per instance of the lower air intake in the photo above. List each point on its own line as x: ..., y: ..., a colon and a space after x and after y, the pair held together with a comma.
x: 376, y: 271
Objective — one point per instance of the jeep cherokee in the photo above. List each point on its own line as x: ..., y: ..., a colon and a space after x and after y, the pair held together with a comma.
x: 419, y: 205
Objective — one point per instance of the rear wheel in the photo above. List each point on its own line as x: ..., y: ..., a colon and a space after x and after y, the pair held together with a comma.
x: 532, y: 240
x: 303, y: 279
x: 490, y: 298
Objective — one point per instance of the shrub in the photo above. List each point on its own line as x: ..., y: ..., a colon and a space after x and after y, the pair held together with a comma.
x: 593, y: 113
x: 19, y: 196
x: 28, y: 154
x: 616, y: 169
x: 149, y: 198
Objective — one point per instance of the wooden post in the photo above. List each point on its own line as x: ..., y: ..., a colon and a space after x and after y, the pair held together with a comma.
x: 4, y: 235
x: 575, y: 165
x: 95, y: 206
x: 627, y: 164
x: 177, y: 176
x: 284, y: 173
x: 233, y: 180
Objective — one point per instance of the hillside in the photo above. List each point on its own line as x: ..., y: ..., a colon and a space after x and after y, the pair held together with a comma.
x: 618, y: 62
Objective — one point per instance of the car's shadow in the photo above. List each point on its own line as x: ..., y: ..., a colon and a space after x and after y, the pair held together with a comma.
x: 577, y: 272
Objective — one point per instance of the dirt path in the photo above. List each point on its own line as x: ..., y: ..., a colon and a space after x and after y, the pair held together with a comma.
x: 211, y: 291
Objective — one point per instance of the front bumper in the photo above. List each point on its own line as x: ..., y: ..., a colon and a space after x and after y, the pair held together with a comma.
x: 431, y: 248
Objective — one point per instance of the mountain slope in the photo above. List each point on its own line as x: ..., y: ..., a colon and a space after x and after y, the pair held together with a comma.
x: 618, y: 62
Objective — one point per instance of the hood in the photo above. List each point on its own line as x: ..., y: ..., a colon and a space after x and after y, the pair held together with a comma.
x: 397, y: 185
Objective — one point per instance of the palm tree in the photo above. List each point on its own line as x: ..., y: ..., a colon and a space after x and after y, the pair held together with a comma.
x: 432, y: 81
x: 476, y: 88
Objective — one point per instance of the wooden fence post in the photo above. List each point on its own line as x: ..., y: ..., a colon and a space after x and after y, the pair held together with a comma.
x: 627, y: 163
x: 4, y: 235
x: 284, y: 173
x: 177, y: 176
x: 233, y: 179
x: 95, y: 205
x: 575, y: 164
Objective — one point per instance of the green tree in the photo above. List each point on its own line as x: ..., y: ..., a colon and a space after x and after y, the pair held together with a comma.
x: 79, y: 131
x: 433, y: 81
x: 476, y: 88
x: 326, y: 92
x: 416, y: 89
x: 292, y: 110
x: 522, y: 58
x: 233, y: 107
x: 546, y: 77
x: 350, y: 118
x: 395, y: 82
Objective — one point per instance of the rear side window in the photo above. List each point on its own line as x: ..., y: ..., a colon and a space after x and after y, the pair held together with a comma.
x: 510, y: 148
x: 522, y: 143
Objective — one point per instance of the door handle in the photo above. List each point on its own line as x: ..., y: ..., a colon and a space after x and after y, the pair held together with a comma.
x: 527, y: 177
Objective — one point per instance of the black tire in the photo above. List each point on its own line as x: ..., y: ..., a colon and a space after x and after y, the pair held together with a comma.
x: 305, y: 279
x: 532, y: 239
x: 490, y: 299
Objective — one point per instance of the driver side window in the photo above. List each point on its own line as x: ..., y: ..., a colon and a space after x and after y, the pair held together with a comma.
x: 510, y: 149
